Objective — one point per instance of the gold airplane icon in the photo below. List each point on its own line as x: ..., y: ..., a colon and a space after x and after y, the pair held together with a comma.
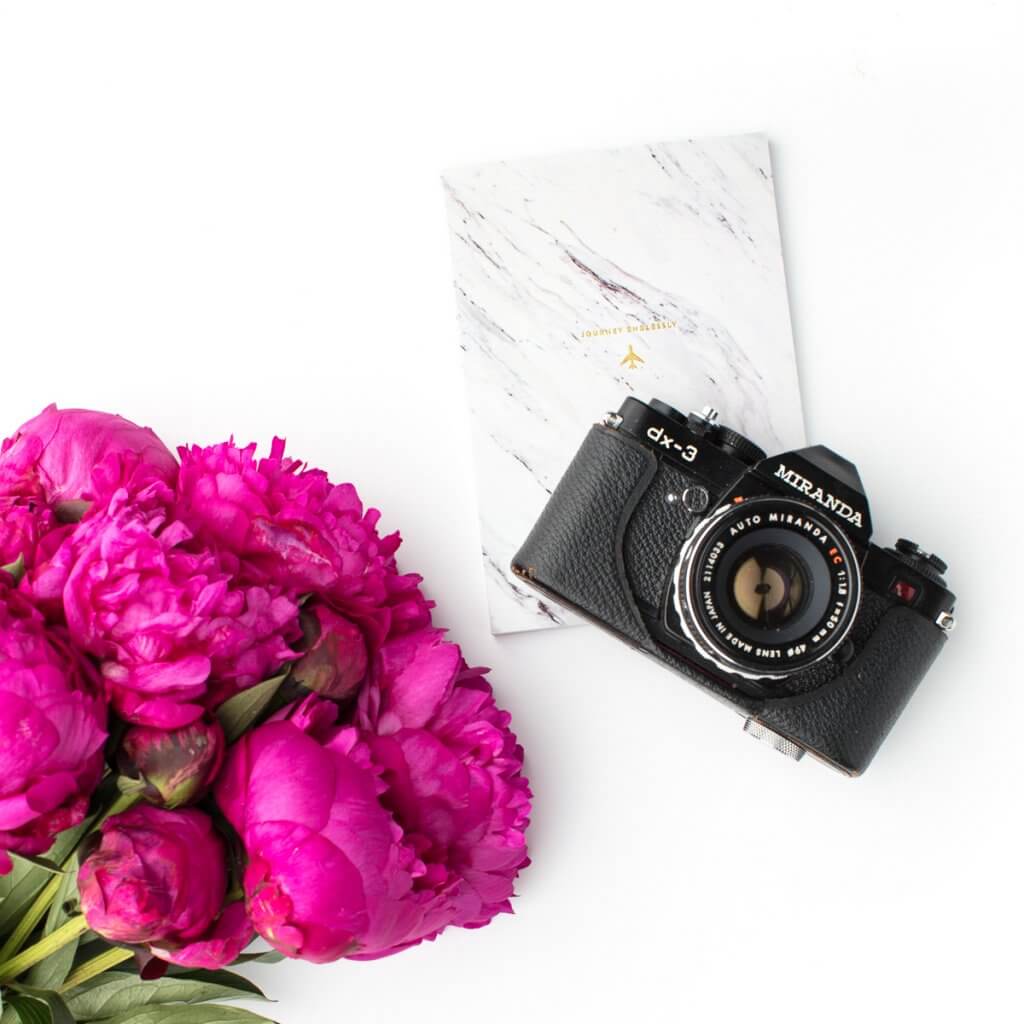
x: 631, y: 359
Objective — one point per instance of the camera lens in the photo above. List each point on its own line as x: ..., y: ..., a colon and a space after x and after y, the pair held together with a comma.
x: 766, y: 587
x: 769, y: 585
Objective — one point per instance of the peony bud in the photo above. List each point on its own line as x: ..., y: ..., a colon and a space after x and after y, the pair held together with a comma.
x: 175, y: 767
x: 335, y: 661
x: 159, y: 878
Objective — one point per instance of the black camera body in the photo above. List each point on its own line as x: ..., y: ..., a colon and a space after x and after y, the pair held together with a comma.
x: 754, y: 576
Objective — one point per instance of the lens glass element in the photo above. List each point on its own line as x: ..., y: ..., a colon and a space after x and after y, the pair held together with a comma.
x: 769, y: 584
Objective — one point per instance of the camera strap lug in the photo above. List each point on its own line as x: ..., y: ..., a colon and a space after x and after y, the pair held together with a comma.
x: 946, y: 622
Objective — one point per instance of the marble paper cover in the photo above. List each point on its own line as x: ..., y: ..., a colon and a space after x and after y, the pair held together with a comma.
x: 653, y: 271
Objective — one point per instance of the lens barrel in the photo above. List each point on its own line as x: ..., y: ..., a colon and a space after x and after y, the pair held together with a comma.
x: 766, y: 587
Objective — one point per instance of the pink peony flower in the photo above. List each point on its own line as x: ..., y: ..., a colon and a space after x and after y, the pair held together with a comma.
x: 159, y: 878
x: 23, y: 524
x: 53, y: 728
x: 453, y: 770
x: 175, y: 632
x: 221, y: 945
x: 292, y: 527
x: 365, y: 840
x: 329, y: 872
x: 71, y: 458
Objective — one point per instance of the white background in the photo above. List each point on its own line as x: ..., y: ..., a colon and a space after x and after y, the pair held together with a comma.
x: 221, y: 218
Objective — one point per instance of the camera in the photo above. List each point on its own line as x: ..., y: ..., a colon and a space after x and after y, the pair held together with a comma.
x: 753, y: 575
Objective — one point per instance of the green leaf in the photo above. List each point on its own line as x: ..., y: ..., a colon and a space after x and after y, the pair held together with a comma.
x: 271, y: 956
x: 188, y: 1015
x: 30, y: 1011
x: 15, y: 568
x: 39, y: 1007
x: 55, y: 1010
x: 10, y: 881
x: 40, y: 862
x: 26, y: 880
x: 118, y: 992
x: 31, y: 879
x: 226, y: 979
x: 242, y: 711
x: 50, y: 974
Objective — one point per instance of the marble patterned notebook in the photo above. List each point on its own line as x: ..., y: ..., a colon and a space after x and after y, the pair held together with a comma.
x: 651, y: 270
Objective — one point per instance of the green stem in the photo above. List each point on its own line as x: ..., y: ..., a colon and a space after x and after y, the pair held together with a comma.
x: 97, y: 965
x: 32, y: 917
x: 67, y: 932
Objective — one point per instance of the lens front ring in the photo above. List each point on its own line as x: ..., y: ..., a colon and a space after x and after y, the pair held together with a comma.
x: 766, y: 587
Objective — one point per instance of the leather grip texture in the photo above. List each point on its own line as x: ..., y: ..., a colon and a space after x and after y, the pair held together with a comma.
x: 575, y: 548
x: 846, y: 720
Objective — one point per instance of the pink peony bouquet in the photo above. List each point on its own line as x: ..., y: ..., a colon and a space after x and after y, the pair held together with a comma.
x: 225, y: 717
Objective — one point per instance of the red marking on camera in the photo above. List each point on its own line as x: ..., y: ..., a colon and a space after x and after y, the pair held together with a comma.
x: 904, y: 591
